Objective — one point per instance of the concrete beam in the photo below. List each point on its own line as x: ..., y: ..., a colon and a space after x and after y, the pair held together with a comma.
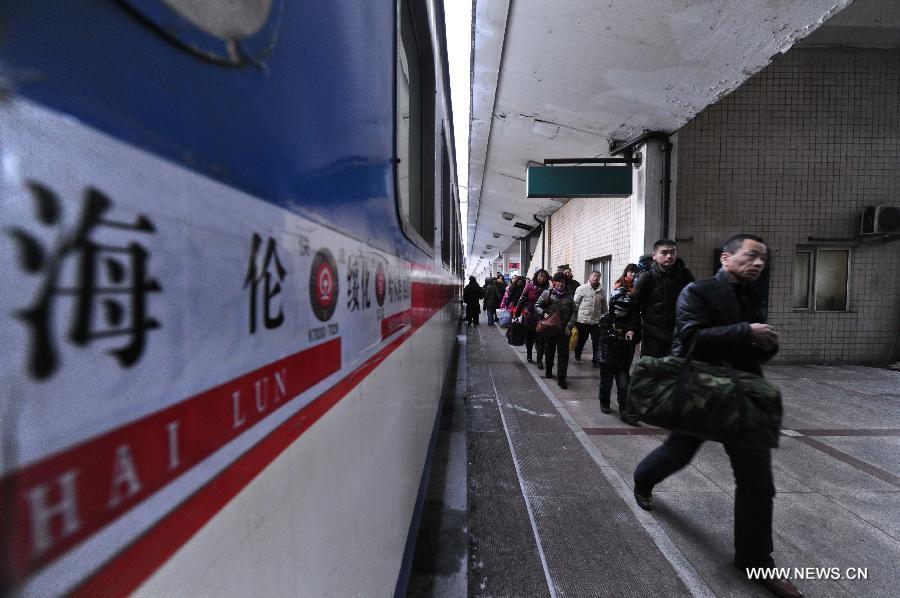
x: 489, y: 33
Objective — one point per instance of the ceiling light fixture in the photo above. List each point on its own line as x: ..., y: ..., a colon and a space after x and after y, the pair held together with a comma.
x: 508, y: 215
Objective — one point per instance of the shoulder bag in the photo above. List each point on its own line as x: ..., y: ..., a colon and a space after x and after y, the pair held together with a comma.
x: 708, y: 401
x: 550, y: 327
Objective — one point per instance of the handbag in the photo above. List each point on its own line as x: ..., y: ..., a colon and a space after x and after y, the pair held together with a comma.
x: 550, y: 327
x: 573, y: 340
x: 515, y: 334
x: 704, y: 400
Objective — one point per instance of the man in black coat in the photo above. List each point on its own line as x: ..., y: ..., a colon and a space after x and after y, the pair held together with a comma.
x: 721, y: 318
x: 472, y: 294
x: 571, y: 284
x: 654, y: 297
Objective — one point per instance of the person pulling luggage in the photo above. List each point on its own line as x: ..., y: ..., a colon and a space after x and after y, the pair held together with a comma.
x: 525, y: 311
x: 491, y: 299
x: 555, y: 302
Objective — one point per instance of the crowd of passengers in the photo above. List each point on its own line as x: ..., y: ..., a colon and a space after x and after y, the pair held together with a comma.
x: 718, y: 320
x: 604, y: 316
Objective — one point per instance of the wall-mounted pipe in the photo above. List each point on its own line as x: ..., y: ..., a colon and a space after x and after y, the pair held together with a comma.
x: 543, y: 235
x: 666, y: 186
x: 546, y: 257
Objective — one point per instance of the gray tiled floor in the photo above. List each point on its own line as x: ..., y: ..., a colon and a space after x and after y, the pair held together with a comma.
x: 829, y: 512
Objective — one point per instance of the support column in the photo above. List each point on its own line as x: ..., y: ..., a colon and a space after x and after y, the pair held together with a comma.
x: 524, y: 256
x: 647, y: 199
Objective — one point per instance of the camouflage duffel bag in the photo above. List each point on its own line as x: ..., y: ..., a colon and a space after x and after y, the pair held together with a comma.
x: 707, y: 401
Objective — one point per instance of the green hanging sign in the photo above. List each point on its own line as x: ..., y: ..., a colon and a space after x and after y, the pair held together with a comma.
x: 578, y: 181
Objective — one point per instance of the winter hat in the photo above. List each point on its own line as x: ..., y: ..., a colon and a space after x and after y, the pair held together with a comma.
x: 620, y: 304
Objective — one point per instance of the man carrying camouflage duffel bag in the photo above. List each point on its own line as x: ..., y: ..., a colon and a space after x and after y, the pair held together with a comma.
x: 713, y: 389
x: 707, y: 401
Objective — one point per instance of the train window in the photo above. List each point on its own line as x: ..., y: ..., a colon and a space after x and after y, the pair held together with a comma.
x: 446, y: 203
x: 415, y: 124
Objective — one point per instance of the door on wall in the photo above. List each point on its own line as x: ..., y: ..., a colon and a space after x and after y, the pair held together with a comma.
x: 602, y: 265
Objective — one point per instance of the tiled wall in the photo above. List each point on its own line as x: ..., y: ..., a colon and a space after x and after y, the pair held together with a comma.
x: 797, y: 152
x: 588, y: 229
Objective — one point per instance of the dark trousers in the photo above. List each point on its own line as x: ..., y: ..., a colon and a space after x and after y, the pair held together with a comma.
x: 491, y: 315
x: 654, y: 347
x: 755, y: 491
x: 557, y: 347
x: 622, y: 378
x: 583, y: 331
x: 533, y: 340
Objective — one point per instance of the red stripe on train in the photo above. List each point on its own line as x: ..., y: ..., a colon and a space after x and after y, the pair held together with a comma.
x: 99, y: 480
x: 393, y: 323
x: 202, y: 424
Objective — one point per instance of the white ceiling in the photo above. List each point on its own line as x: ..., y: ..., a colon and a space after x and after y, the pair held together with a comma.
x: 561, y: 79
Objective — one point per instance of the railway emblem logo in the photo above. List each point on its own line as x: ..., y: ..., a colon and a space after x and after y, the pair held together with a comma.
x: 380, y: 285
x: 323, y: 285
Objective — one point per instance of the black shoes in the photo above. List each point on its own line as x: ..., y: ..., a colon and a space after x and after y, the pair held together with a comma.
x: 780, y: 587
x: 643, y: 497
x: 596, y: 364
x: 540, y: 363
x: 562, y: 383
x: 548, y: 374
x: 530, y: 359
x: 578, y: 357
x: 605, y: 409
x: 628, y: 419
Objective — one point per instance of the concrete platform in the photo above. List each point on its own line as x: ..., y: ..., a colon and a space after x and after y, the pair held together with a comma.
x: 550, y: 510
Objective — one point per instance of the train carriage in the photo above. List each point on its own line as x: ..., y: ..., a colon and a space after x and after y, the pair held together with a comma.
x: 231, y: 248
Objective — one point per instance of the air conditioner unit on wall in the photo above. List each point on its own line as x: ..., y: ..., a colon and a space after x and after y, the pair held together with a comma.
x: 880, y: 220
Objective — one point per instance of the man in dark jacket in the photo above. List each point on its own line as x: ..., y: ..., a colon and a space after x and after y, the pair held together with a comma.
x: 571, y: 284
x: 720, y: 318
x: 490, y: 302
x: 654, y: 297
x: 499, y: 288
x: 472, y: 294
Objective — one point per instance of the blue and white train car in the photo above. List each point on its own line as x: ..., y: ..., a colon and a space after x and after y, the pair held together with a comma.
x: 230, y: 243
